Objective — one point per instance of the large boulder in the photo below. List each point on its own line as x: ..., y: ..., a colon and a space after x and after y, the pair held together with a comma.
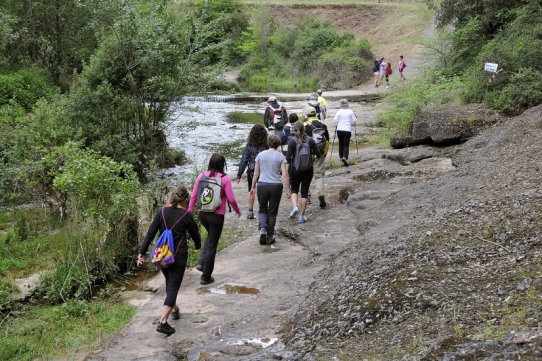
x: 446, y: 125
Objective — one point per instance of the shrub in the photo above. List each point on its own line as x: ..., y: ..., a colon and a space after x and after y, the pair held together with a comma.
x: 67, y: 280
x: 25, y: 88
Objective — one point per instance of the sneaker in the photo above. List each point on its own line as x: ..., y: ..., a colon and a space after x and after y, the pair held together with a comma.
x: 250, y: 215
x: 302, y: 219
x: 263, y: 236
x: 165, y: 328
x: 175, y: 314
x: 294, y: 212
x: 322, y: 201
x: 270, y: 240
x: 206, y: 281
x: 345, y: 162
x: 199, y: 267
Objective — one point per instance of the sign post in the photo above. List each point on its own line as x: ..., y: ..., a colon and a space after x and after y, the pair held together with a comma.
x: 491, y: 67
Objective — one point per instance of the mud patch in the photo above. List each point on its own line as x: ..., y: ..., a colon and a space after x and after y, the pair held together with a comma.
x: 229, y: 289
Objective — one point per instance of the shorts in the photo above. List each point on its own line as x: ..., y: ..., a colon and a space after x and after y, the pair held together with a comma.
x: 382, y: 72
x: 301, y: 180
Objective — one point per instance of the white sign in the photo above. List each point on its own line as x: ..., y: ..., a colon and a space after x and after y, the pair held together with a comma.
x: 492, y: 67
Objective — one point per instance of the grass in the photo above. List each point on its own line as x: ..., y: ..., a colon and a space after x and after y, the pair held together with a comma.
x: 46, y: 332
x: 243, y: 118
x: 29, y: 243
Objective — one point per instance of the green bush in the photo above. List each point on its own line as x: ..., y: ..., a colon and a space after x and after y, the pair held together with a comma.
x: 25, y: 88
x: 7, y: 290
x: 303, y: 57
x: 66, y: 281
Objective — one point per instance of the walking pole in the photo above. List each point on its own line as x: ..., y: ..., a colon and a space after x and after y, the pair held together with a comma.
x: 356, y: 135
x: 332, y: 144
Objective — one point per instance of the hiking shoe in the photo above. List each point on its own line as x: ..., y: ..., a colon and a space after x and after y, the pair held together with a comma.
x: 263, y: 236
x: 270, y: 240
x: 322, y: 201
x: 250, y: 215
x: 302, y: 219
x: 345, y: 162
x: 165, y: 328
x: 175, y: 314
x: 199, y: 267
x: 294, y: 212
x: 205, y: 280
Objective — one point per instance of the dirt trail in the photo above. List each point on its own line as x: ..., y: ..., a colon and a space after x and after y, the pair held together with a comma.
x: 215, y: 326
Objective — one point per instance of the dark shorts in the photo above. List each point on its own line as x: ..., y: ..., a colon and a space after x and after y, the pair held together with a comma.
x: 301, y: 180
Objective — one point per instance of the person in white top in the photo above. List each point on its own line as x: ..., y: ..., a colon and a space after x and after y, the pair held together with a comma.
x: 344, y: 118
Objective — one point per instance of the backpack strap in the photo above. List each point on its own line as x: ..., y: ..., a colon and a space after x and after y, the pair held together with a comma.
x: 164, y: 219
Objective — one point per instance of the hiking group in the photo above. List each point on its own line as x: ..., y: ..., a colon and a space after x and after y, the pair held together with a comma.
x: 271, y: 172
x: 382, y: 70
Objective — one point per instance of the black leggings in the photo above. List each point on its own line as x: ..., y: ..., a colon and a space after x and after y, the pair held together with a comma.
x: 269, y: 195
x: 344, y: 143
x: 174, y: 277
x: 213, y: 223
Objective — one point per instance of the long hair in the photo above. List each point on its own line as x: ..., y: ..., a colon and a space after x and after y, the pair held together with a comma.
x: 179, y: 196
x: 258, y: 137
x: 299, y: 130
x: 217, y: 163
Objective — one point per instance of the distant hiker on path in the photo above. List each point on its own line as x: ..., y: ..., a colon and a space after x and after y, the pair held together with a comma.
x: 323, y: 104
x: 382, y: 71
x: 401, y: 66
x: 376, y: 72
x: 179, y: 220
x: 313, y: 102
x: 270, y: 178
x: 257, y: 142
x: 388, y: 73
x: 317, y: 130
x: 212, y: 191
x: 344, y: 118
x: 275, y: 116
x: 301, y: 150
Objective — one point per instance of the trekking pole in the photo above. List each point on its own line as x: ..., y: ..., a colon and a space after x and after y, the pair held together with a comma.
x: 332, y: 144
x: 356, y: 135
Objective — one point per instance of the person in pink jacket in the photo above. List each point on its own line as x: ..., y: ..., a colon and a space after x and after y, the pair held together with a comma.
x: 213, y: 221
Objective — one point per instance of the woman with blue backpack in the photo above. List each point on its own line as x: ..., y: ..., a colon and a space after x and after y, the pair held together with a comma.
x: 174, y: 218
x: 212, y: 192
x: 301, y: 151
x: 257, y: 142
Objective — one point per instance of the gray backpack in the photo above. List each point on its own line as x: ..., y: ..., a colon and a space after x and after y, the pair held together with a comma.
x: 209, y: 193
x: 303, y: 159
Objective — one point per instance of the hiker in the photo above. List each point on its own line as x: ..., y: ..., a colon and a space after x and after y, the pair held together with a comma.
x: 388, y: 73
x: 301, y: 150
x: 275, y: 115
x: 401, y: 66
x: 376, y: 72
x: 270, y: 178
x: 344, y: 118
x: 212, y: 190
x: 317, y: 130
x: 313, y: 102
x: 382, y: 71
x: 257, y: 142
x: 179, y: 220
x: 287, y: 133
x: 323, y: 104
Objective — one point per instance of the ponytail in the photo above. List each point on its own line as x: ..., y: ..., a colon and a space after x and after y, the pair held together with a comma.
x: 299, y: 130
x: 179, y: 196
